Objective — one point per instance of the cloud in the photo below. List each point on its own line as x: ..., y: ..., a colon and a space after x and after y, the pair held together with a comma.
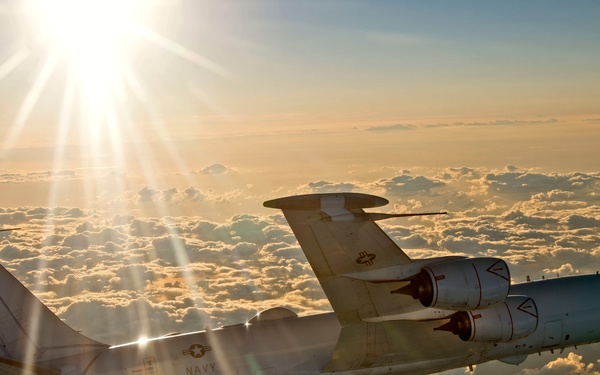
x: 167, y: 195
x: 571, y: 365
x: 76, y: 241
x: 193, y: 195
x: 395, y: 127
x: 525, y: 183
x: 37, y: 176
x: 173, y: 250
x: 509, y: 122
x: 580, y: 221
x: 209, y: 231
x: 147, y: 194
x: 75, y: 213
x: 184, y: 273
x: 327, y: 187
x: 406, y: 184
x: 13, y: 217
x: 147, y: 228
x: 215, y: 169
x: 171, y: 195
x: 564, y: 270
x: 11, y: 252
x: 408, y: 127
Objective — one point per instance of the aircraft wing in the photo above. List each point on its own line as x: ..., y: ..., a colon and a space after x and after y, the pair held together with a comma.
x: 349, y: 253
x: 31, y: 336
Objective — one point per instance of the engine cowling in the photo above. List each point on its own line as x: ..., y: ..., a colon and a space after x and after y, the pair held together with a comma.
x: 463, y: 284
x: 515, y: 318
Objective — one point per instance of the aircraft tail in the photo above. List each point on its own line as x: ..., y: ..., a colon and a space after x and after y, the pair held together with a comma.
x: 349, y: 252
x: 32, y: 337
x: 362, y: 272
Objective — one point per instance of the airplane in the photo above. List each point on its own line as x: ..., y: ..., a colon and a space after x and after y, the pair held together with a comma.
x: 392, y: 314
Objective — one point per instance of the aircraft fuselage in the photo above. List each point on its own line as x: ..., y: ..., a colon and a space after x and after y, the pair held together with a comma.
x: 567, y: 317
x: 294, y: 345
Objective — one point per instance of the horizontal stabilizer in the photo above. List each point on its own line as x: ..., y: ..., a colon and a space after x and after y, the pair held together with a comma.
x: 310, y: 202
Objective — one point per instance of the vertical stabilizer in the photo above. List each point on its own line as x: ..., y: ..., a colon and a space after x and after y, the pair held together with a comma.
x: 30, y: 333
x: 339, y: 238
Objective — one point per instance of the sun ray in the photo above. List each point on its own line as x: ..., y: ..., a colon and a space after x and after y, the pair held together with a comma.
x: 14, y: 61
x: 31, y: 99
x: 65, y: 118
x: 185, y: 53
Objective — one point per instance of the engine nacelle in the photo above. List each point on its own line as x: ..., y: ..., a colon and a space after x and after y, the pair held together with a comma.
x: 514, y: 319
x: 463, y: 284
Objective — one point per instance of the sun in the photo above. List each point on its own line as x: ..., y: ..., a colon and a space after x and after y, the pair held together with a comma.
x: 91, y: 33
x: 77, y: 24
x: 91, y: 37
x: 92, y: 73
x: 98, y: 43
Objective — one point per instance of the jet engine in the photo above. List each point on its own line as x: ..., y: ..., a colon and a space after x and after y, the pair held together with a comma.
x: 516, y: 318
x: 463, y: 284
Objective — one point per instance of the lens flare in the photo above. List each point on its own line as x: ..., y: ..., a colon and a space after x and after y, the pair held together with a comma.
x: 98, y: 46
x: 89, y: 61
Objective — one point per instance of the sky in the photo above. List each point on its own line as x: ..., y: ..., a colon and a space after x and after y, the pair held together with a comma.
x: 139, y: 140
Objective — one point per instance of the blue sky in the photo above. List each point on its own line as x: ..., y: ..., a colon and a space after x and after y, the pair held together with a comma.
x: 437, y: 57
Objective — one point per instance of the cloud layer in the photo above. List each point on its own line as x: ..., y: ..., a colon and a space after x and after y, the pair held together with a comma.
x: 153, y: 275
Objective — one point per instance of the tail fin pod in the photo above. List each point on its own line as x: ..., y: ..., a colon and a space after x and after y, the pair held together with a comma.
x: 30, y: 332
x: 340, y: 239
